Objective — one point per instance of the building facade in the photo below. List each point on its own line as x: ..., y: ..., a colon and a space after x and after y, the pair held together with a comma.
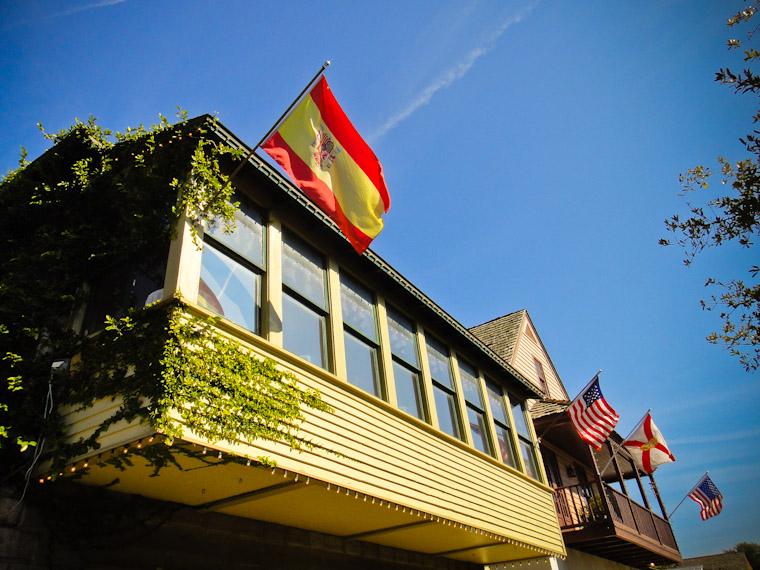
x: 607, y: 516
x: 414, y: 446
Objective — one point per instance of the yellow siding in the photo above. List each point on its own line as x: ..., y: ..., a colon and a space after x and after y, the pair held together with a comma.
x: 529, y: 347
x: 392, y: 456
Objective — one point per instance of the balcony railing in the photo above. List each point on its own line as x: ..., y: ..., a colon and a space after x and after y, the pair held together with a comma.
x: 585, y: 505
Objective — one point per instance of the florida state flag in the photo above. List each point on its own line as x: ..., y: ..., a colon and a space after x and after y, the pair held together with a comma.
x: 648, y: 447
x: 321, y: 151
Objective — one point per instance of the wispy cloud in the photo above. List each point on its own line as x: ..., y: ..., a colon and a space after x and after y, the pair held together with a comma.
x: 718, y: 437
x: 451, y: 75
x: 91, y: 6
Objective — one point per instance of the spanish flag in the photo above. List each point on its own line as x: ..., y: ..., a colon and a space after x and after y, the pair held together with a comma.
x: 321, y: 151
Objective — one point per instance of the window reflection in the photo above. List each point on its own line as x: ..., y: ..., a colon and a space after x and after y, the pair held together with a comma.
x: 444, y: 392
x: 304, y: 300
x: 229, y: 289
x: 360, y: 336
x: 232, y: 267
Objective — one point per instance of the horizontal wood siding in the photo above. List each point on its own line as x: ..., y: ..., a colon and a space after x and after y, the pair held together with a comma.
x: 526, y: 350
x: 392, y: 456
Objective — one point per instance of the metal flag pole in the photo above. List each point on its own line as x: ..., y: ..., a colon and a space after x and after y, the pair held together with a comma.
x: 551, y: 425
x: 689, y: 493
x: 614, y: 453
x: 276, y: 125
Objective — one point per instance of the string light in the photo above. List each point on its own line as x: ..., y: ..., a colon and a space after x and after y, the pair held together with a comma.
x: 248, y: 463
x: 204, y: 451
x: 219, y: 456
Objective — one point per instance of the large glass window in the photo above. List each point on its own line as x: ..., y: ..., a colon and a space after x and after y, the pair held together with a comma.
x: 524, y: 438
x: 406, y: 366
x: 501, y: 423
x: 476, y: 415
x: 360, y: 336
x: 232, y: 269
x: 304, y: 301
x: 444, y: 389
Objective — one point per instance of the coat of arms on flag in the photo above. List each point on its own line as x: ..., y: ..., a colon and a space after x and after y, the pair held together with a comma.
x: 647, y: 446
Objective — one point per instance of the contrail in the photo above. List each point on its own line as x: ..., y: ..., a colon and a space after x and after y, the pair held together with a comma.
x: 451, y: 75
x: 101, y: 4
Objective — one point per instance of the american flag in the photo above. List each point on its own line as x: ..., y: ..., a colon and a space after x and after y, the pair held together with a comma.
x: 709, y: 498
x: 592, y: 416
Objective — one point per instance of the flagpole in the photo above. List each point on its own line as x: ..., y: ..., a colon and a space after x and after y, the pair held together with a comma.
x: 276, y: 125
x: 689, y: 493
x: 614, y: 453
x: 551, y: 425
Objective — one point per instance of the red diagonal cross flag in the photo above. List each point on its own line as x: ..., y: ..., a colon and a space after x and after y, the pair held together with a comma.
x: 647, y: 446
x: 326, y: 157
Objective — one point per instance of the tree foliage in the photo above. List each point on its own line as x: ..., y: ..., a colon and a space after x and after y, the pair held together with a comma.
x: 751, y: 550
x: 733, y: 217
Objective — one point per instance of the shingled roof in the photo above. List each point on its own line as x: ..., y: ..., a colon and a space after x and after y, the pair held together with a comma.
x: 501, y: 334
x: 725, y: 561
x: 548, y: 407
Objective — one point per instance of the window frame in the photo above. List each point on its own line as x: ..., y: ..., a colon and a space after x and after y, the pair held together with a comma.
x: 478, y: 408
x: 259, y: 270
x: 501, y: 395
x: 289, y: 238
x: 525, y: 441
x: 351, y: 332
x: 415, y: 369
x: 449, y: 392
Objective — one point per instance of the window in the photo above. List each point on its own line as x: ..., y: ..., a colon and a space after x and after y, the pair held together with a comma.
x: 124, y: 286
x: 406, y: 367
x: 524, y: 439
x: 476, y: 414
x: 360, y: 336
x: 444, y: 391
x: 304, y: 301
x: 501, y: 423
x: 232, y: 268
x: 541, y: 377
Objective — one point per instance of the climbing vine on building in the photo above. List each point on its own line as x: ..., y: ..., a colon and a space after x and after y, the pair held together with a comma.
x: 97, y: 202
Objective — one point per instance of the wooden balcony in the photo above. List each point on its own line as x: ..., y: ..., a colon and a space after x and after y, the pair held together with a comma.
x: 607, y: 523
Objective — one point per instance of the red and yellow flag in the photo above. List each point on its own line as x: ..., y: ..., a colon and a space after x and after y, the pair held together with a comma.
x: 321, y: 151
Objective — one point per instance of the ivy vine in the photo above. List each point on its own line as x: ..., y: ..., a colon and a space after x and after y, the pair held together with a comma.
x: 98, y: 200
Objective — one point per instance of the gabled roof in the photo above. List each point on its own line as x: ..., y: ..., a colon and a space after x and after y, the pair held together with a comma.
x: 725, y: 561
x: 501, y: 333
x: 548, y: 407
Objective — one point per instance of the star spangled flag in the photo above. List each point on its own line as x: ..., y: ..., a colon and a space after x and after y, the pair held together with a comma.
x: 709, y: 498
x: 321, y: 151
x: 647, y: 446
x: 592, y: 416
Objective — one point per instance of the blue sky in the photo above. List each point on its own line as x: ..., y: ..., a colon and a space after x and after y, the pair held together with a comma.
x: 531, y: 150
